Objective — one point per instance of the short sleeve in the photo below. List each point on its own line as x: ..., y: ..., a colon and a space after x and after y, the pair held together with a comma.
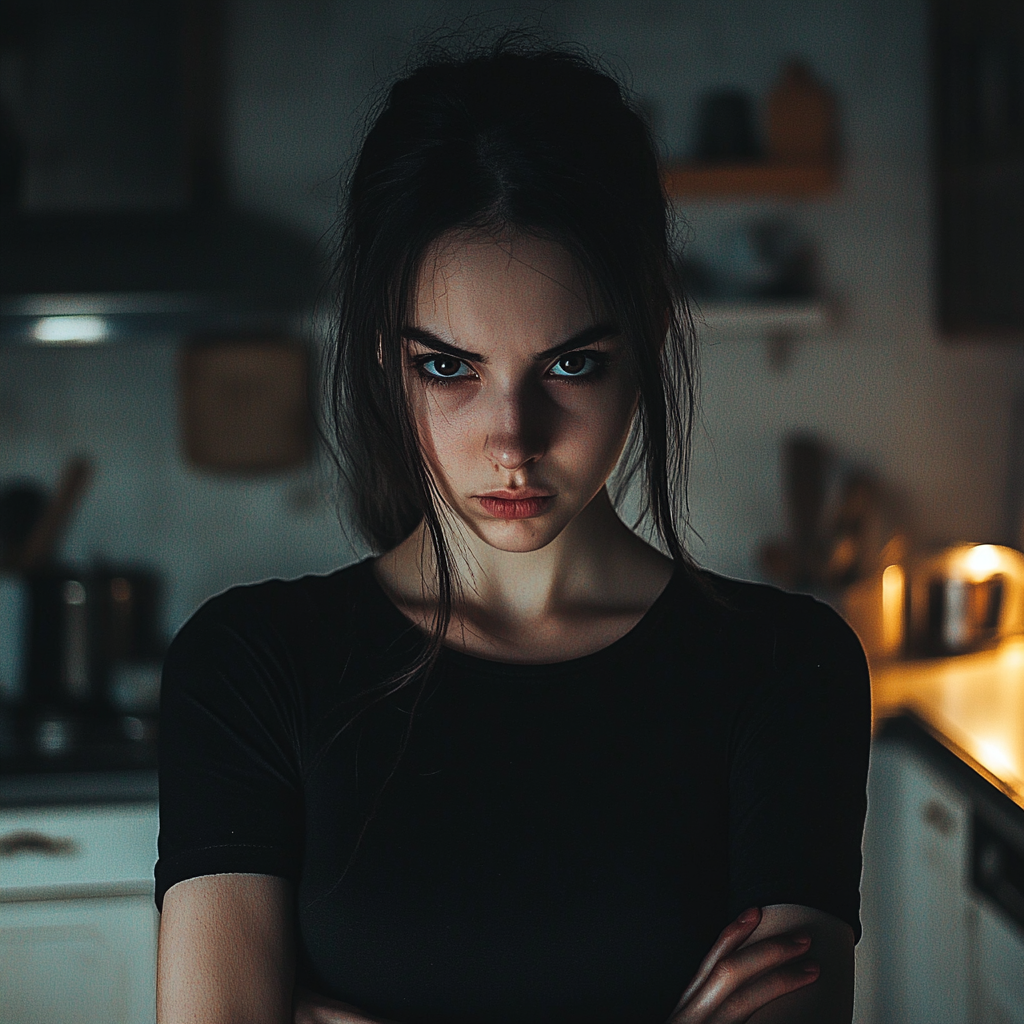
x: 230, y: 793
x: 798, y: 776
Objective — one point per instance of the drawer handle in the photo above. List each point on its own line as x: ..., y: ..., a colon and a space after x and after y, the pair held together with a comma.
x: 938, y: 818
x: 36, y: 842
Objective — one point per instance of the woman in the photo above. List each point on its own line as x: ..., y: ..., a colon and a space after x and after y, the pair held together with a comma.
x: 523, y: 766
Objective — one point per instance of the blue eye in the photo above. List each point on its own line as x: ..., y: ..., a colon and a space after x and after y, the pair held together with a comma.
x: 441, y: 367
x: 578, y: 364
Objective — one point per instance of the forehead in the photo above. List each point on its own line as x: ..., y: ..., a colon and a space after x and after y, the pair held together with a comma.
x: 513, y: 286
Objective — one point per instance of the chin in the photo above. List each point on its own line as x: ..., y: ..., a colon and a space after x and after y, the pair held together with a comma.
x: 518, y: 537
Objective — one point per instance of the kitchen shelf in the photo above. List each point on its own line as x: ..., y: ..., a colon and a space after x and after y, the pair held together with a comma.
x: 760, y: 319
x: 750, y: 179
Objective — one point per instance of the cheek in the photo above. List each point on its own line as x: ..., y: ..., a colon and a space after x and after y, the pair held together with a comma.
x: 444, y: 426
x: 595, y: 425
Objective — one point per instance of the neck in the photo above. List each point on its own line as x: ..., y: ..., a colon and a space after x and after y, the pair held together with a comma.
x: 592, y: 563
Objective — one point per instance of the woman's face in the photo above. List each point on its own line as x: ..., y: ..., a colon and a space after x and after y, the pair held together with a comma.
x: 519, y: 386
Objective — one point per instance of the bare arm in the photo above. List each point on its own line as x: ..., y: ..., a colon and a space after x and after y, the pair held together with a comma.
x: 756, y: 973
x: 227, y: 957
x: 226, y: 953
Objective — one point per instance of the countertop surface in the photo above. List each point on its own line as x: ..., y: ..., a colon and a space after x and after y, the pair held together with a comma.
x: 973, y: 702
x: 61, y: 788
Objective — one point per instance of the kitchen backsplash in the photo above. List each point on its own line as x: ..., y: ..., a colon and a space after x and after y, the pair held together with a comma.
x: 202, y: 532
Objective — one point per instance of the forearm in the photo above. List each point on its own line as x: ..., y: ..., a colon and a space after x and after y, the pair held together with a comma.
x: 311, y: 1008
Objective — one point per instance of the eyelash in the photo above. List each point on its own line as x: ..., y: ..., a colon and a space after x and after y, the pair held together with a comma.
x: 600, y: 360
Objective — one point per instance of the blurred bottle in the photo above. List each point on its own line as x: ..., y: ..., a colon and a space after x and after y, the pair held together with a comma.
x: 801, y: 119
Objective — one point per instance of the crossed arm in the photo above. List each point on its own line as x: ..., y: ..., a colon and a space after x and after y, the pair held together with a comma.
x: 226, y: 957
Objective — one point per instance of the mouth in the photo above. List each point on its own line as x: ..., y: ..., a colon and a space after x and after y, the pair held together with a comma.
x: 515, y: 504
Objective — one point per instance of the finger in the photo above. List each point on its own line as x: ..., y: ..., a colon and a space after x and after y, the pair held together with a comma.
x: 313, y: 1008
x: 317, y: 1013
x: 741, y: 967
x: 732, y: 936
x: 745, y: 1002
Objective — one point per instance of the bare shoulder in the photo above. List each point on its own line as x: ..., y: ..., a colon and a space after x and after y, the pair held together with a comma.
x: 226, y: 950
x: 830, y: 999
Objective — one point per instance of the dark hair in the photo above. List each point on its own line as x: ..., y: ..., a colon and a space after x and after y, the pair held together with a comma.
x: 511, y: 137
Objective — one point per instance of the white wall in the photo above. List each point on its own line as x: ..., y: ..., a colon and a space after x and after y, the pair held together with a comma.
x: 205, y: 533
x: 931, y: 418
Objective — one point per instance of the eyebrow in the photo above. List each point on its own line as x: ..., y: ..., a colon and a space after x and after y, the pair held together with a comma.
x: 589, y: 335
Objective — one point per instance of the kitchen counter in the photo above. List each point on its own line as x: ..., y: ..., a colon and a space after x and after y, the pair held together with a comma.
x: 62, y: 788
x: 972, y: 703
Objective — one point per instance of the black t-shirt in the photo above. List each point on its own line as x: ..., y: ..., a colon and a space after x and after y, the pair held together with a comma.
x: 558, y: 843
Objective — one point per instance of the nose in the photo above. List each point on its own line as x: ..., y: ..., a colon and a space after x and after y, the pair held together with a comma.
x: 519, y: 428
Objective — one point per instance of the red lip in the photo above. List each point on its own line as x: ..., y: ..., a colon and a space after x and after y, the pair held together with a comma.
x: 522, y: 504
x: 519, y: 494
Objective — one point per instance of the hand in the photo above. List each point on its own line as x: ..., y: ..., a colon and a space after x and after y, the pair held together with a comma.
x: 734, y: 981
x: 310, y: 1008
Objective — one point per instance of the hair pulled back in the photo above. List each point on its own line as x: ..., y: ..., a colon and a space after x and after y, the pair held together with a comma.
x: 511, y: 138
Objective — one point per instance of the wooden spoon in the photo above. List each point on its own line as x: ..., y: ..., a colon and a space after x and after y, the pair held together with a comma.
x: 41, y: 543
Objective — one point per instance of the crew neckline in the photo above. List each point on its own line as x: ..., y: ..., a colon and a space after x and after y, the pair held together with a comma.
x: 477, y: 664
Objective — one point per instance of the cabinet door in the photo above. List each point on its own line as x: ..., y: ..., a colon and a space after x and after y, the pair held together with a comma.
x: 914, y: 963
x: 78, y: 961
x: 998, y: 968
x: 60, y: 852
x: 978, y: 64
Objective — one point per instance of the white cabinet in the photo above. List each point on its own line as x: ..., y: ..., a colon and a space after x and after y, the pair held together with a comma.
x: 78, y: 925
x: 913, y: 960
x: 78, y: 961
x: 999, y: 983
x: 935, y: 950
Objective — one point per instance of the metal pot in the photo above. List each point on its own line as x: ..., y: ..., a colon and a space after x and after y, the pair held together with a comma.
x: 82, y: 624
x: 964, y: 598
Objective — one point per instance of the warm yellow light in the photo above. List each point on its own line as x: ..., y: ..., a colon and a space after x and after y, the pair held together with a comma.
x: 995, y: 757
x: 893, y: 583
x: 981, y: 562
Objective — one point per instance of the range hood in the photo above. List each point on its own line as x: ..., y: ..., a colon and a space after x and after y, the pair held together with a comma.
x: 136, y: 275
x: 115, y: 218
